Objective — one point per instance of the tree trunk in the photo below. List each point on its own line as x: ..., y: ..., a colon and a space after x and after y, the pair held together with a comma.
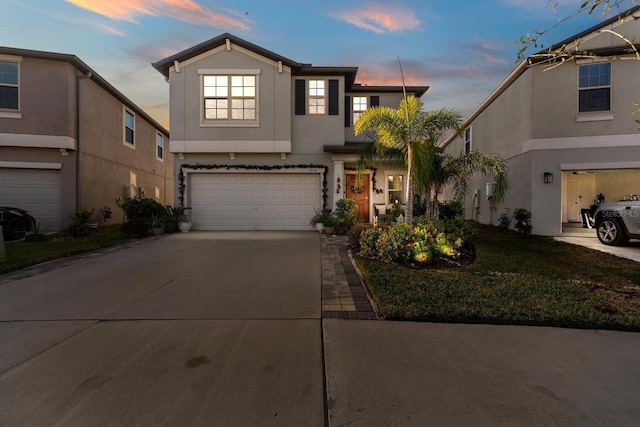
x: 408, y: 215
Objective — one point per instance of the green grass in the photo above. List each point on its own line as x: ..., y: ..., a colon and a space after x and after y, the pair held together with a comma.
x: 514, y: 280
x: 21, y: 254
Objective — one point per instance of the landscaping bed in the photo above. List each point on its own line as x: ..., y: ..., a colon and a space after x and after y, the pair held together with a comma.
x: 513, y: 280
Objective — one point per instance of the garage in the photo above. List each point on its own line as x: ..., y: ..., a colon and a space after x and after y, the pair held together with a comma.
x: 254, y: 201
x: 34, y: 190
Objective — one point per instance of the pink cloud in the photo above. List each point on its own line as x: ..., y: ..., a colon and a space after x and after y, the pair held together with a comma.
x: 184, y: 10
x: 380, y: 19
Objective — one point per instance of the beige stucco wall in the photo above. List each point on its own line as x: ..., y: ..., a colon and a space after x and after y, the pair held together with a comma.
x: 108, y: 165
x: 186, y: 98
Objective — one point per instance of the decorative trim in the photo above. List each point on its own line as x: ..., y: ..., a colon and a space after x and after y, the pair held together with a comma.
x: 31, y: 165
x: 182, y: 185
x: 36, y: 141
x: 10, y: 114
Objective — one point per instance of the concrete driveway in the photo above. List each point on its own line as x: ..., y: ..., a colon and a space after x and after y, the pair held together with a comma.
x: 225, y: 329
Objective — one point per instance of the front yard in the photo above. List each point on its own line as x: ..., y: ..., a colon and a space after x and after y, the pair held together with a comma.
x: 514, y: 280
x: 21, y: 254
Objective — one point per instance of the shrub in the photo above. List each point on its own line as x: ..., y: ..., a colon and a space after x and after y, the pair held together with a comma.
x: 453, y: 209
x: 419, y: 206
x: 523, y: 221
x: 143, y: 208
x: 137, y: 227
x: 396, y: 244
x: 355, y: 234
x: 80, y: 223
x: 369, y: 241
x: 345, y: 215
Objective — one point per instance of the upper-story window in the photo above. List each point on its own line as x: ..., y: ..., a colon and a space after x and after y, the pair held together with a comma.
x: 317, y: 100
x: 129, y: 128
x: 359, y: 106
x: 594, y: 87
x: 467, y: 140
x: 9, y: 85
x: 159, y: 146
x: 229, y: 97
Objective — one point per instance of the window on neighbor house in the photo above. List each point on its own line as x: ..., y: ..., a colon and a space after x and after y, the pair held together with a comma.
x: 129, y: 127
x: 9, y: 85
x: 467, y: 140
x: 159, y: 146
x: 317, y: 101
x: 594, y: 87
x: 395, y: 189
x: 359, y: 106
x: 228, y: 97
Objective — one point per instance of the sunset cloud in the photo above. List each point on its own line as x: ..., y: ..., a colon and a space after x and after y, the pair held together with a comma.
x: 183, y: 10
x: 380, y: 19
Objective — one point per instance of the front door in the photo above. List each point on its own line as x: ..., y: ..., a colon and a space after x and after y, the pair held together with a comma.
x: 359, y: 192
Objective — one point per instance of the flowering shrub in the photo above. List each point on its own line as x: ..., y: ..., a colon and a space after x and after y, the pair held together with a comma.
x: 523, y: 221
x: 424, y: 244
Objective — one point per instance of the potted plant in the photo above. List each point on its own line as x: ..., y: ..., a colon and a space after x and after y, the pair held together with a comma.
x: 175, y: 216
x: 325, y: 220
x: 157, y: 224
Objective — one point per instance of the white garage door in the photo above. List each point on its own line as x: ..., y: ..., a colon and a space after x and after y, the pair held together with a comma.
x: 34, y: 190
x: 254, y: 201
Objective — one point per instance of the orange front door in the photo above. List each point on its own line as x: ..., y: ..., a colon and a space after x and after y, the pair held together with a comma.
x: 359, y: 193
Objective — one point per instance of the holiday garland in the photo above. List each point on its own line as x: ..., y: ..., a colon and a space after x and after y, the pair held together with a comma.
x: 182, y: 185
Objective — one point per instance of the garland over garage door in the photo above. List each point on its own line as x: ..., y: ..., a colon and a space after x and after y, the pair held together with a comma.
x: 254, y: 201
x: 34, y: 190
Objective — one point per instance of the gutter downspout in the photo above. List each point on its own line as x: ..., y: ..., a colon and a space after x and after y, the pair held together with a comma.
x: 78, y: 178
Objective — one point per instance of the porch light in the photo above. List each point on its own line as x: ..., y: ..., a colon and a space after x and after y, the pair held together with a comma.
x: 548, y: 177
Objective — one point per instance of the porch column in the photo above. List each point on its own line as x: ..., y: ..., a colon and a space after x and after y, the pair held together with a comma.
x: 338, y: 181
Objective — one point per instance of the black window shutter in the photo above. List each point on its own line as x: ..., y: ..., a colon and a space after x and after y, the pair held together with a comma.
x: 333, y: 98
x: 347, y: 111
x: 301, y: 101
x: 374, y: 101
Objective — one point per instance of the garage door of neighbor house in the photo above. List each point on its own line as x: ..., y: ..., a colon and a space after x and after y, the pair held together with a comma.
x: 254, y: 201
x: 34, y: 190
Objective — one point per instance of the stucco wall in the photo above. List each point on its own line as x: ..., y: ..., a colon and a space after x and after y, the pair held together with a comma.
x: 107, y: 164
x: 273, y: 87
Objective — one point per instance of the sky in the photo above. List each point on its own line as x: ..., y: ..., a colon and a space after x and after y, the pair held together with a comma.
x: 461, y: 49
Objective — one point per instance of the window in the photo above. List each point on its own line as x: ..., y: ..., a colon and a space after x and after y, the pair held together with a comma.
x: 129, y: 128
x: 467, y: 140
x: 359, y: 106
x: 159, y: 146
x: 394, y: 189
x: 9, y: 85
x: 594, y: 87
x: 229, y: 97
x: 316, y: 97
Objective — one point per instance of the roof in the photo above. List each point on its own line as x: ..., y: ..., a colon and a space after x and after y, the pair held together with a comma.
x: 297, y: 69
x: 347, y: 148
x: 524, y: 65
x: 84, y: 69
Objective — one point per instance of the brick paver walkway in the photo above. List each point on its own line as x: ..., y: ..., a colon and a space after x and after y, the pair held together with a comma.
x: 343, y: 295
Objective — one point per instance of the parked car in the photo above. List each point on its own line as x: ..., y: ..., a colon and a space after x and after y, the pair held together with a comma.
x: 15, y: 222
x: 617, y: 222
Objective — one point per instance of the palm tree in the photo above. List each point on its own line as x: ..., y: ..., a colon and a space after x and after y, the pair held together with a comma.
x: 403, y: 137
x: 446, y: 169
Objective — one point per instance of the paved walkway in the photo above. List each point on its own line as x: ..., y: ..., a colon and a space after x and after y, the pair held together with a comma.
x: 343, y: 294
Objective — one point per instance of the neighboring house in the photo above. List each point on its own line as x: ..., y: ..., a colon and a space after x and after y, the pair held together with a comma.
x: 567, y: 132
x: 262, y: 141
x: 69, y: 140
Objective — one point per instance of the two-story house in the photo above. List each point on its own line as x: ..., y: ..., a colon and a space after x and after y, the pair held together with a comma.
x: 262, y: 141
x: 69, y: 140
x: 567, y: 130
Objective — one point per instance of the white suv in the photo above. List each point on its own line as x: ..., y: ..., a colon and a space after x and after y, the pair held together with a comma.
x: 617, y: 222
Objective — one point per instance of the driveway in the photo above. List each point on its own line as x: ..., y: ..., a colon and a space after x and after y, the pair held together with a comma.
x: 226, y: 329
x: 630, y: 251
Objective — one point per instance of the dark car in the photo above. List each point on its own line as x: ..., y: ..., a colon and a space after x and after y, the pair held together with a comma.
x: 15, y: 223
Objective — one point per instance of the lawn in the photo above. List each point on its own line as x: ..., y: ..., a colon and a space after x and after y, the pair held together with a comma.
x: 21, y: 254
x: 514, y: 280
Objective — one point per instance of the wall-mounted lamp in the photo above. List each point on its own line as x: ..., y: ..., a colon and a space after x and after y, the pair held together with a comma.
x: 548, y: 177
